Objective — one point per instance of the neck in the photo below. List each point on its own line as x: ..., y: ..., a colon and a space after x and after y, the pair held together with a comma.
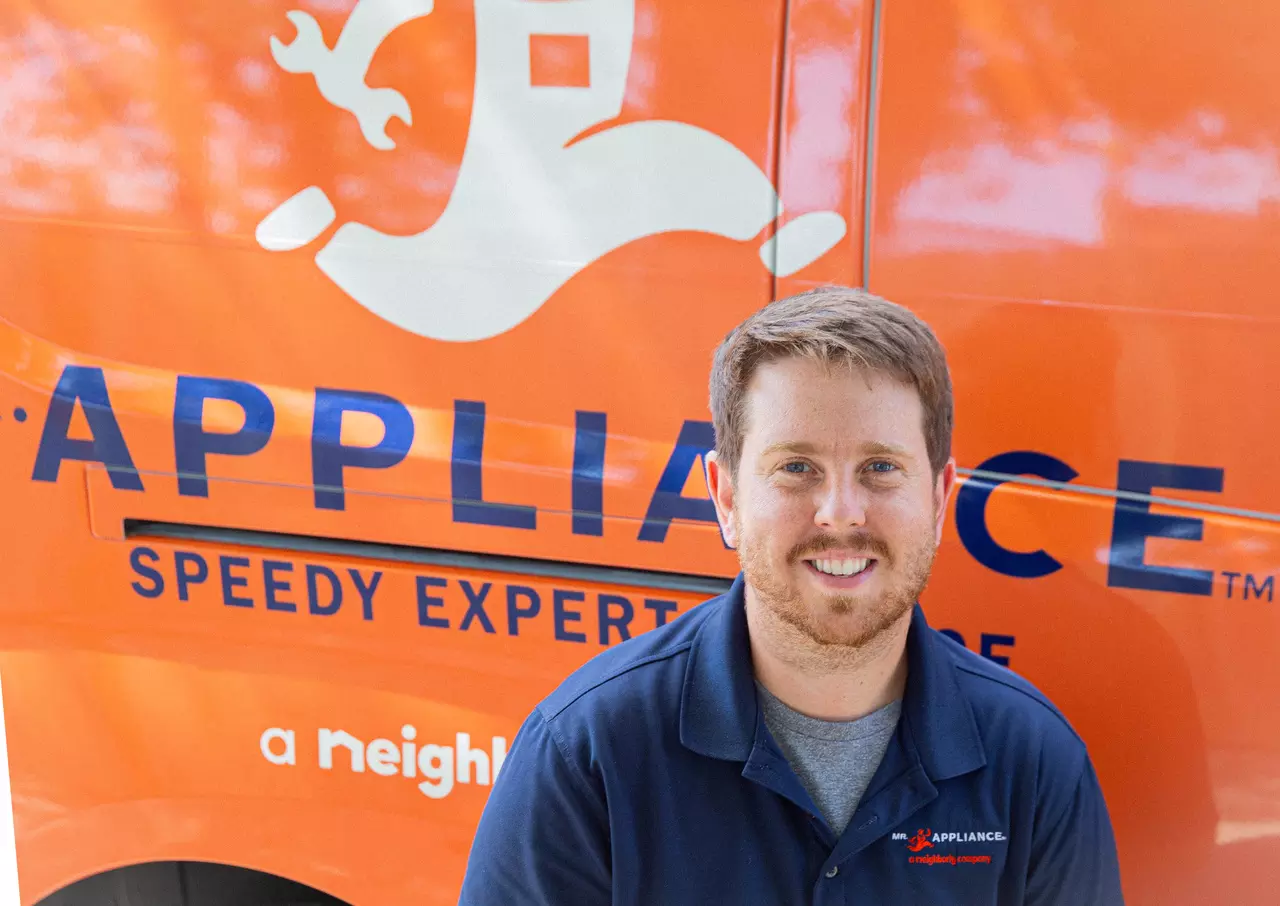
x: 828, y: 682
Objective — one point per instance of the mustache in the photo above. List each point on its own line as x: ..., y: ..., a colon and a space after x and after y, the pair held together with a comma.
x: 861, y: 543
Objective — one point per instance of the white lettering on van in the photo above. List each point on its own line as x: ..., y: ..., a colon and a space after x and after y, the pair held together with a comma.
x: 290, y: 753
x: 330, y: 739
x: 437, y: 767
x: 436, y: 764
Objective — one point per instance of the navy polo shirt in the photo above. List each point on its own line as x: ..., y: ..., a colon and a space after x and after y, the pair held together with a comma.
x: 649, y: 778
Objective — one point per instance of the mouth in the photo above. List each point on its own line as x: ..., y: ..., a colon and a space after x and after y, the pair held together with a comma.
x: 841, y: 572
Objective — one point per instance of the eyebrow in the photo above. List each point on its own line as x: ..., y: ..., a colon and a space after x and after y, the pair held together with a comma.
x: 879, y: 448
x: 871, y: 448
x: 788, y: 446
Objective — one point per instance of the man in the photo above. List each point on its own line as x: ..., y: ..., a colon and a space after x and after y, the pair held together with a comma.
x: 805, y: 737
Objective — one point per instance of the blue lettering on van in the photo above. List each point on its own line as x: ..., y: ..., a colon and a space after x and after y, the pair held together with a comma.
x: 607, y: 620
x: 334, y: 602
x: 661, y: 609
x: 106, y: 445
x: 185, y: 579
x: 230, y: 581
x: 475, y: 606
x: 1133, y: 523
x: 516, y: 613
x: 695, y: 441
x: 971, y: 513
x: 154, y: 576
x: 467, y: 468
x: 590, y: 433
x: 563, y: 615
x: 192, y: 443
x: 427, y: 601
x: 436, y: 600
x: 1251, y: 584
x: 272, y: 586
x: 330, y: 457
x: 365, y: 590
x: 1268, y: 585
x: 988, y: 642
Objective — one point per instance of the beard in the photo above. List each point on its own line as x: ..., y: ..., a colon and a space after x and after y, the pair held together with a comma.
x: 838, y: 621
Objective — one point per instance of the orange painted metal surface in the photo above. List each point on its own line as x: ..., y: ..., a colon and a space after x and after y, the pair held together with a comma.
x: 485, y: 327
x: 1081, y: 198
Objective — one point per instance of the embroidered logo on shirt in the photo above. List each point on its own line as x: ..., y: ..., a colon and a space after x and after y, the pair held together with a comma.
x: 927, y: 838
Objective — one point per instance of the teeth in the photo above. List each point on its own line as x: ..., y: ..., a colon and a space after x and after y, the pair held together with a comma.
x: 841, y: 567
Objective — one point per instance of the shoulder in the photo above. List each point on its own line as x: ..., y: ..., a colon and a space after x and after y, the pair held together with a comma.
x: 649, y: 667
x: 1014, y: 717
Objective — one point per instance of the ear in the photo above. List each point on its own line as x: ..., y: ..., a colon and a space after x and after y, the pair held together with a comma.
x: 942, y: 488
x: 720, y: 484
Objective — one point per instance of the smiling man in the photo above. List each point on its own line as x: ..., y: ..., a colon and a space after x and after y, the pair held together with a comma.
x: 805, y: 737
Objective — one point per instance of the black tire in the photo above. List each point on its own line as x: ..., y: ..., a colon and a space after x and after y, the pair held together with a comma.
x: 187, y: 884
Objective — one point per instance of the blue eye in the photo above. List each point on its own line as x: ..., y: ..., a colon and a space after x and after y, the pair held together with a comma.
x: 882, y: 466
x: 797, y: 468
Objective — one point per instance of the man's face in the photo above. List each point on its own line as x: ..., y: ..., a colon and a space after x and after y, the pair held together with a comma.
x: 835, y: 510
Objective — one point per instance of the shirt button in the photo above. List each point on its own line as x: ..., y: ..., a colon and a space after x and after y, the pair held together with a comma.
x: 833, y: 871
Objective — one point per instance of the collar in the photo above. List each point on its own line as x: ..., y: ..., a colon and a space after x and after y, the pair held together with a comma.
x: 719, y: 711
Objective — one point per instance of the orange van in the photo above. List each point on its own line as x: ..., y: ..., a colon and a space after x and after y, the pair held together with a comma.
x: 354, y: 360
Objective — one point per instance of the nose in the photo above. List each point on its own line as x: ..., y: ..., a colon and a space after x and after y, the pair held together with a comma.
x: 841, y: 504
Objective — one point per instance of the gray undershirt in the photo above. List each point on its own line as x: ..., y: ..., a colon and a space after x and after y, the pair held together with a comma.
x: 835, y: 760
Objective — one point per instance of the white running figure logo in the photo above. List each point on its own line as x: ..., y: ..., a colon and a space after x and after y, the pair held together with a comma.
x: 530, y: 207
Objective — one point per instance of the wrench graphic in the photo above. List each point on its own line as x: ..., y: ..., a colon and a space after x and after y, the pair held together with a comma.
x: 340, y: 72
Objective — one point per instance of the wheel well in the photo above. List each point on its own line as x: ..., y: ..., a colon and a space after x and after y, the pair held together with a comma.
x: 187, y: 884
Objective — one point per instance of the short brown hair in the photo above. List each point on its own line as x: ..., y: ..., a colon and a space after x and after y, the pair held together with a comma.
x: 833, y: 324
